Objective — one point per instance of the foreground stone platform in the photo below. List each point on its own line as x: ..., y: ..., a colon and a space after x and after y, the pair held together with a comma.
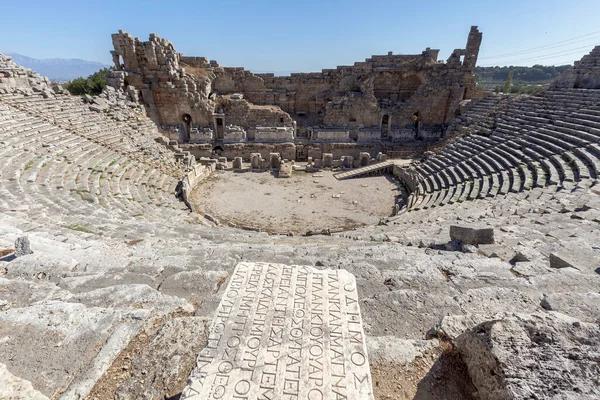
x: 284, y: 332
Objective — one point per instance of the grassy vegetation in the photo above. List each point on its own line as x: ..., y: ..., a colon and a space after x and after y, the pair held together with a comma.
x: 28, y: 165
x: 91, y: 85
x: 537, y: 74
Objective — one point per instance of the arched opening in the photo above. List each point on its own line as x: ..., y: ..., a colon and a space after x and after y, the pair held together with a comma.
x: 187, y: 127
x: 219, y: 128
x: 217, y: 151
x: 385, y: 126
x: 416, y: 119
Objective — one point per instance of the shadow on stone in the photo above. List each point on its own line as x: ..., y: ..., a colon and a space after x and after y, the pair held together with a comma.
x: 448, y: 378
x: 11, y: 257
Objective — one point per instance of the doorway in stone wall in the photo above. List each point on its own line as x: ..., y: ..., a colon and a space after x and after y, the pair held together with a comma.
x: 217, y: 151
x: 385, y: 126
x: 187, y: 127
x: 220, y: 134
x: 301, y: 154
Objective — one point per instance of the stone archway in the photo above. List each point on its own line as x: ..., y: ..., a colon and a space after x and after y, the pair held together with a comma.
x: 385, y: 126
x: 218, y: 151
x: 187, y: 127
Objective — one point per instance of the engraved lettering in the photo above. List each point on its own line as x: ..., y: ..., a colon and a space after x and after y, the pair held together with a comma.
x: 281, y: 332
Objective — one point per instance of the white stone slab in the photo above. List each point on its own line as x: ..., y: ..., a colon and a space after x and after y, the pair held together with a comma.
x: 284, y: 332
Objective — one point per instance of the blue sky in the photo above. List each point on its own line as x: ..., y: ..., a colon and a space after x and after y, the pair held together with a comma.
x: 305, y: 35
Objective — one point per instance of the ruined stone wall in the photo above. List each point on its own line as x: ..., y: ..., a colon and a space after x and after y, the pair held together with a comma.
x: 393, y: 85
x: 155, y: 70
x: 340, y: 150
x: 585, y: 73
x: 286, y: 150
x: 234, y: 134
x: 240, y: 112
x: 389, y: 98
x: 272, y: 134
x: 335, y: 135
x: 14, y: 78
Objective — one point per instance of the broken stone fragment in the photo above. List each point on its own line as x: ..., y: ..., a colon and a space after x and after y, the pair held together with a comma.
x: 99, y: 105
x: 22, y: 246
x: 525, y: 356
x: 468, y: 248
x: 472, y: 235
x: 495, y: 251
x: 560, y: 261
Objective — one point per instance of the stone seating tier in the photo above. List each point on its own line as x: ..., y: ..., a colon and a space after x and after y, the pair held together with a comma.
x: 535, y: 141
x: 50, y: 171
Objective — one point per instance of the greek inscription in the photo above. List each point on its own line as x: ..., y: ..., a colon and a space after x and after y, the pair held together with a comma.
x: 282, y: 332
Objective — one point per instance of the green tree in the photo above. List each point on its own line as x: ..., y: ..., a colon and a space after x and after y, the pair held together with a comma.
x: 508, y: 83
x: 537, y: 74
x: 91, y: 85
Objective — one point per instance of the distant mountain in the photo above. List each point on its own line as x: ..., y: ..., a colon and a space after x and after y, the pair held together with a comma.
x: 58, y: 69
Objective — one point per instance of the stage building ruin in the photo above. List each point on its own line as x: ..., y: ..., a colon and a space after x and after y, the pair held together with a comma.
x: 391, y: 104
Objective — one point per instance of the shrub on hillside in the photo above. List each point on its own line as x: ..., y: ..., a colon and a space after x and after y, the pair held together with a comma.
x: 519, y: 88
x: 91, y: 85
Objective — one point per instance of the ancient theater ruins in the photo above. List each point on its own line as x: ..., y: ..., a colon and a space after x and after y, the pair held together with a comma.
x: 385, y: 104
x: 470, y: 269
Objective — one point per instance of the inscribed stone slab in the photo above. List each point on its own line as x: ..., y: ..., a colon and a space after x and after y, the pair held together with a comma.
x: 284, y: 332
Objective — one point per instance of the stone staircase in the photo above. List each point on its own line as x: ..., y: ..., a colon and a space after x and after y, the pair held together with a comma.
x: 378, y: 168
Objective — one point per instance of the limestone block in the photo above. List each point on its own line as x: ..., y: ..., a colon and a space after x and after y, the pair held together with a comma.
x: 470, y: 235
x: 584, y: 306
x: 496, y: 251
x: 22, y: 246
x: 347, y: 161
x: 528, y: 356
x: 255, y: 160
x: 327, y: 160
x: 285, y: 171
x: 558, y: 260
x: 381, y: 157
x: 99, y: 104
x: 275, y: 160
x: 365, y: 159
x: 237, y: 162
x: 14, y: 387
x: 265, y: 164
x: 300, y: 330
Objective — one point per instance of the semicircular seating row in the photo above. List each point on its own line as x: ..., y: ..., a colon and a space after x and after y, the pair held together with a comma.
x: 533, y: 141
x: 49, y: 171
x: 70, y: 113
